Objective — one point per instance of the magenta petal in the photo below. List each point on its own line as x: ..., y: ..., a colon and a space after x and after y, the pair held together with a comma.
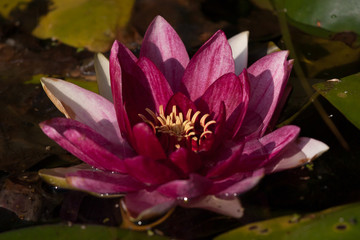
x: 160, y: 89
x: 229, y: 207
x: 149, y: 171
x: 147, y: 204
x: 210, y: 62
x: 225, y: 161
x: 186, y: 160
x: 146, y: 142
x: 181, y: 102
x: 103, y: 182
x: 193, y: 187
x: 258, y: 153
x: 234, y: 92
x: 163, y: 46
x: 87, y: 144
x: 129, y: 85
x: 268, y: 77
x: 237, y: 184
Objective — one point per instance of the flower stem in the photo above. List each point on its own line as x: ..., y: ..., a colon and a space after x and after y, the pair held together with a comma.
x: 301, y: 75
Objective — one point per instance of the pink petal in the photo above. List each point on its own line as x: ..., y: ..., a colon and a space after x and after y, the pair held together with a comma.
x: 211, y: 61
x: 86, y: 144
x: 149, y: 171
x: 268, y: 77
x: 103, y: 182
x: 160, y: 89
x: 193, y: 187
x: 225, y: 161
x: 234, y: 92
x: 234, y: 185
x: 229, y: 207
x: 239, y: 47
x: 84, y: 106
x: 146, y: 142
x: 258, y: 153
x: 302, y: 151
x: 186, y: 160
x: 147, y: 204
x: 129, y: 86
x: 180, y: 101
x: 164, y: 48
x: 101, y: 64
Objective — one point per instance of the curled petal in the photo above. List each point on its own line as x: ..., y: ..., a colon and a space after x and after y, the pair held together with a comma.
x: 87, y: 144
x: 210, y: 62
x: 239, y: 47
x: 103, y: 182
x: 101, y: 64
x: 84, y: 106
x: 163, y: 46
x: 302, y: 151
x: 229, y: 207
x: 147, y: 204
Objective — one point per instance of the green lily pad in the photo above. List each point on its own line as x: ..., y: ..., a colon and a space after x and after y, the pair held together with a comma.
x: 75, y: 232
x: 344, y: 94
x: 334, y: 223
x: 326, y: 18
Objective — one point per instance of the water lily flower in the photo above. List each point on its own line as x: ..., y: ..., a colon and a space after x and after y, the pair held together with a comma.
x: 168, y: 130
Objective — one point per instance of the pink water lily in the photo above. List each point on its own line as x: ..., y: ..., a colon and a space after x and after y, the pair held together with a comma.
x: 177, y: 131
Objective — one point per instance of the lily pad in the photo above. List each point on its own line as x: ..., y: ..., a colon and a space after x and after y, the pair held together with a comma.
x: 344, y: 94
x: 334, y: 223
x: 75, y: 232
x: 321, y: 17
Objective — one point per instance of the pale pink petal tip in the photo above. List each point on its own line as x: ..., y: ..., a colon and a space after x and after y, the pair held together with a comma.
x: 312, y: 148
x: 101, y: 64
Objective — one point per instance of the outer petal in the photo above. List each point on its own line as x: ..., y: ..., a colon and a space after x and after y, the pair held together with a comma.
x: 103, y: 76
x: 103, y: 182
x: 160, y: 88
x: 239, y: 47
x: 164, y: 48
x: 147, y: 204
x: 84, y: 106
x: 301, y: 151
x: 268, y: 77
x: 193, y: 187
x: 229, y: 207
x: 259, y: 153
x: 236, y: 184
x: 211, y: 61
x: 86, y: 144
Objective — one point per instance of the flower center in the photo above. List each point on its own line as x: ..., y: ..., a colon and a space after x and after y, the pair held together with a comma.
x: 190, y: 131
